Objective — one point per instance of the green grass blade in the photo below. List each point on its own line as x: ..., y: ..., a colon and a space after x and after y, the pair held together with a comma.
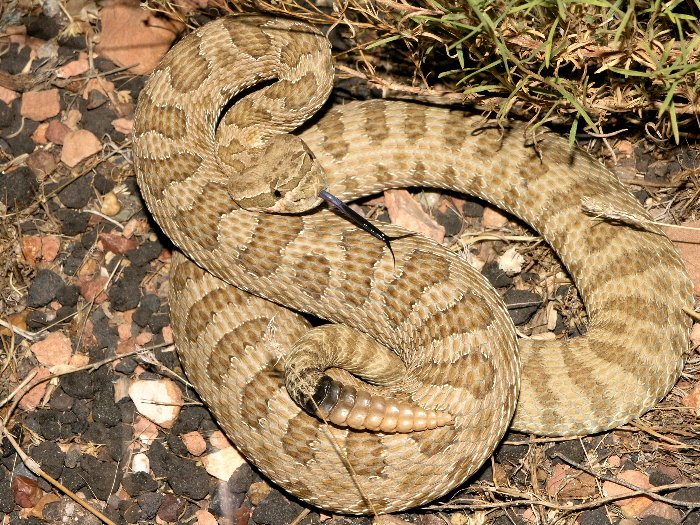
x: 382, y: 41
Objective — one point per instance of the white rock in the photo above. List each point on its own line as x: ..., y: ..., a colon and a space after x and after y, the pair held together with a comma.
x: 160, y: 400
x: 222, y: 463
x: 121, y: 388
x: 511, y: 262
x: 140, y: 463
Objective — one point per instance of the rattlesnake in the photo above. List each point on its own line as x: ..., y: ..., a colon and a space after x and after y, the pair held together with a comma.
x: 205, y: 178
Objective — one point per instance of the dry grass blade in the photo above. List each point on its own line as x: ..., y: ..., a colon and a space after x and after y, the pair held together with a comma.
x: 575, y: 62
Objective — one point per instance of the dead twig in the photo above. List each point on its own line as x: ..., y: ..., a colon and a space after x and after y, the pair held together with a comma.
x: 21, y: 82
x: 526, y: 499
x: 653, y: 493
x: 36, y: 469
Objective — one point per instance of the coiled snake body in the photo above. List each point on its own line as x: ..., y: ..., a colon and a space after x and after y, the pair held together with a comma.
x: 427, y: 331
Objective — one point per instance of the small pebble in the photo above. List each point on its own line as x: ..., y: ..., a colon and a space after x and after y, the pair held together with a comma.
x: 258, y: 491
x: 104, y: 409
x: 78, y: 145
x: 195, y: 443
x: 72, y: 222
x: 44, y: 288
x: 73, y: 478
x: 50, y: 457
x: 176, y: 445
x: 493, y: 218
x: 450, y: 220
x: 160, y: 459
x: 102, y: 477
x: 61, y: 401
x: 594, y: 517
x: 145, y: 253
x: 241, y: 479
x: 40, y: 104
x: 188, y: 479
x: 126, y: 365
x: 45, y: 423
x: 497, y: 277
x: 68, y: 295
x: 103, y: 181
x: 521, y: 305
x: 99, y: 120
x: 22, y: 143
x: 510, y: 454
x: 223, y: 502
x: 54, y: 349
x: 160, y: 400
x: 189, y: 419
x: 656, y: 520
x: 473, y: 209
x: 142, y: 315
x: 111, y: 205
x: 78, y: 384
x: 125, y: 293
x: 6, y: 114
x: 73, y: 456
x: 222, y: 463
x: 140, y: 463
x: 149, y: 503
x: 171, y: 508
x: 569, y: 449
x: 275, y: 509
x: 37, y: 320
x: 77, y: 194
x: 158, y: 321
x: 136, y: 483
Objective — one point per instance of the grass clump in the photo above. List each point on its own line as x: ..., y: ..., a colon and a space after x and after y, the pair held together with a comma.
x: 585, y: 62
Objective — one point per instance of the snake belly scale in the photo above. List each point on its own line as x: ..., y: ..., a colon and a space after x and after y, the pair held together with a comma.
x: 427, y: 331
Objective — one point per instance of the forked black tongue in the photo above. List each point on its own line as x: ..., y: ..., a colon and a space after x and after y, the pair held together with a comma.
x: 358, y: 220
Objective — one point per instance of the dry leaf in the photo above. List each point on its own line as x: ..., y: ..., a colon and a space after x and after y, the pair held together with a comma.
x: 630, y: 507
x: 133, y: 37
x: 687, y: 243
x: 405, y: 211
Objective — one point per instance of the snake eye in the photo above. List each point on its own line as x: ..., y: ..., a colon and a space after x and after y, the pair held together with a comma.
x: 277, y: 194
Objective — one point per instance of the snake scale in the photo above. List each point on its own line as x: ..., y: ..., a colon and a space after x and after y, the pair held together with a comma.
x: 420, y: 352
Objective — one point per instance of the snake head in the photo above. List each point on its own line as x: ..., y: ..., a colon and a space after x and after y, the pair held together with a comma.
x: 285, y: 179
